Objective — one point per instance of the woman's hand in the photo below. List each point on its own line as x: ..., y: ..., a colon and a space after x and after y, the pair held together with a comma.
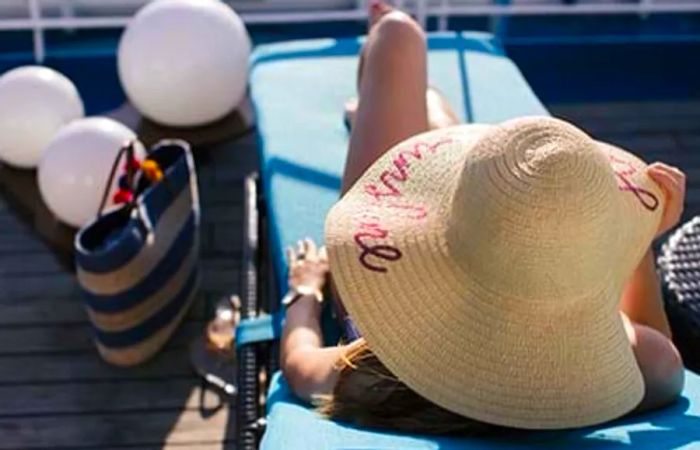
x: 672, y: 182
x: 308, y: 267
x: 306, y: 363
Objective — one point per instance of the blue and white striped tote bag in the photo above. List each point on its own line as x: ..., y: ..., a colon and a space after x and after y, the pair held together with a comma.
x: 138, y: 264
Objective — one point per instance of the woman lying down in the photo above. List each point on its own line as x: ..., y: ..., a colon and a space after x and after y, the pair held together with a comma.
x: 498, y: 275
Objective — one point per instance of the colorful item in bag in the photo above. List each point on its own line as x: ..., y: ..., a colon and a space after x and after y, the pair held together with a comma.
x: 123, y: 196
x: 149, y: 168
x: 125, y: 193
x: 152, y: 170
x: 132, y: 163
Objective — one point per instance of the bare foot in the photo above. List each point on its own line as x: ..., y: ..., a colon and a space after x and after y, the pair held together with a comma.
x: 377, y: 9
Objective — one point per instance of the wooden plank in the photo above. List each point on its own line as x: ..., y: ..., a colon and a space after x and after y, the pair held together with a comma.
x: 240, y: 154
x: 48, y: 309
x: 72, y: 338
x: 692, y: 196
x: 627, y: 109
x: 10, y: 223
x: 86, y: 366
x: 20, y: 189
x: 41, y: 310
x: 21, y: 264
x: 693, y: 175
x: 20, y: 242
x: 652, y: 124
x: 107, y: 397
x: 689, y: 141
x: 149, y: 427
x: 59, y: 285
x: 232, y: 195
x: 641, y: 143
x: 221, y: 213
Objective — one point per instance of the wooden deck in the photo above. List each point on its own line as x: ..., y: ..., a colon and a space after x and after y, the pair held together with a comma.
x: 56, y: 393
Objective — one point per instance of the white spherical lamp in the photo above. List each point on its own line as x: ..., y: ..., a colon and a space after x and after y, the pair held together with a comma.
x: 75, y: 167
x: 35, y: 102
x: 184, y: 63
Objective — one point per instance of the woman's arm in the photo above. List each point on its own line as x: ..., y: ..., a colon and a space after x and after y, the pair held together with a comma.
x: 307, y: 365
x: 641, y: 297
x: 643, y: 311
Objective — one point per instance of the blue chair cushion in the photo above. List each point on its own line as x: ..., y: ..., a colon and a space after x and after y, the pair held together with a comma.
x: 299, y: 89
x: 292, y: 425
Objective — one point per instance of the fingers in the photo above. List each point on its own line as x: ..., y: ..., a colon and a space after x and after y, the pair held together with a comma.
x: 291, y: 256
x: 310, y: 247
x: 323, y: 254
x: 672, y: 182
x: 665, y: 179
x: 667, y: 173
x: 671, y: 179
x: 305, y: 249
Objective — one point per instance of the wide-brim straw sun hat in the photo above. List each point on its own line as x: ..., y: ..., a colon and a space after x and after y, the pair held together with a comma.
x: 484, y: 266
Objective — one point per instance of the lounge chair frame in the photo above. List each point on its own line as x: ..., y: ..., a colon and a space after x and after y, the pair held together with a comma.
x: 257, y: 361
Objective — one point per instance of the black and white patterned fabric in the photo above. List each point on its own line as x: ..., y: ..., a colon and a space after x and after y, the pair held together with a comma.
x: 679, y: 268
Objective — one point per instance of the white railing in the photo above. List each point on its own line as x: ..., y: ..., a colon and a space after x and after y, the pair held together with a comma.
x: 41, y: 15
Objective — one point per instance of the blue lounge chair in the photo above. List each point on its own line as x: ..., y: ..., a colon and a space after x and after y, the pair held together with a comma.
x: 298, y: 89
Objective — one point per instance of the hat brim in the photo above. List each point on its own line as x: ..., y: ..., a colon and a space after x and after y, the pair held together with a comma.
x: 501, y: 366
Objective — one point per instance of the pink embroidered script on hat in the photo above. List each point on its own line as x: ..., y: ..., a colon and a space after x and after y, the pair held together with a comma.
x: 388, y: 194
x: 623, y: 169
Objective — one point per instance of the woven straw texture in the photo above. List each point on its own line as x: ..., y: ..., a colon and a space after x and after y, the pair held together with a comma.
x: 484, y: 266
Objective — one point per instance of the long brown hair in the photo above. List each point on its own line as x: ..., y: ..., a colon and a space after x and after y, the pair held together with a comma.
x: 367, y: 394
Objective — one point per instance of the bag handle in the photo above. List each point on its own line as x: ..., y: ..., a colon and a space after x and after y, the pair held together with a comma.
x: 128, y: 149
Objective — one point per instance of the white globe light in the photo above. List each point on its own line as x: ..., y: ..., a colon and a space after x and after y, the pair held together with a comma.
x: 75, y: 167
x: 35, y: 102
x: 185, y: 62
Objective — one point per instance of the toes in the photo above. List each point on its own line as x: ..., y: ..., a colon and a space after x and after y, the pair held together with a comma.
x: 377, y: 9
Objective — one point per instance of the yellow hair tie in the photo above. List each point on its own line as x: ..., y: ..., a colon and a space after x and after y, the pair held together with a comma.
x: 344, y: 358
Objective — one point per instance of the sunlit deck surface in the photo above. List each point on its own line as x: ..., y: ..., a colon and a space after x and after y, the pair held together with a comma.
x: 55, y: 392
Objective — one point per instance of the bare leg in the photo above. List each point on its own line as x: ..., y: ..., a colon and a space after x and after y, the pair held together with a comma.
x: 660, y: 364
x: 650, y: 335
x: 641, y: 299
x: 392, y: 105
